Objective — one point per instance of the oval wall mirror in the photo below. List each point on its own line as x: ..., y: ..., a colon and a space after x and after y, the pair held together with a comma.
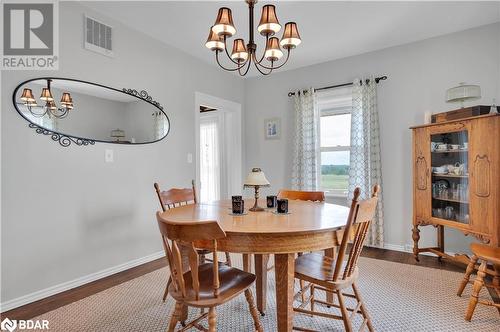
x: 79, y: 112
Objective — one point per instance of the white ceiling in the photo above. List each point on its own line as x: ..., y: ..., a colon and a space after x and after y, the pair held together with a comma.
x: 329, y: 30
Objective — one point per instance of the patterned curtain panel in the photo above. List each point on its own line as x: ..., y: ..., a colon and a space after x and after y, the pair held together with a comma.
x: 159, y: 125
x: 365, y: 166
x: 306, y: 145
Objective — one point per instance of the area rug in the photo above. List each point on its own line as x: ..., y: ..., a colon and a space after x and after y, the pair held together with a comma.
x: 399, y: 297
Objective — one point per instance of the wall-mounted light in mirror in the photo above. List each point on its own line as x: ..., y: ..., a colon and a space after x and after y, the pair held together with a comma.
x: 74, y: 111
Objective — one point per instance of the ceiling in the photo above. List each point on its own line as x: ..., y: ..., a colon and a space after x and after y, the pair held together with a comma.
x: 329, y: 30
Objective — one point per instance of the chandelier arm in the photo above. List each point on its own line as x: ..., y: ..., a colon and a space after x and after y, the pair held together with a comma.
x: 35, y: 114
x: 262, y: 72
x: 277, y: 67
x: 264, y: 53
x: 249, y: 60
x: 63, y: 113
x: 228, y: 69
x: 227, y: 52
x: 258, y: 66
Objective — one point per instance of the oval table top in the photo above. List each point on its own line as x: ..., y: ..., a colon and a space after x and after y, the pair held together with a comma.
x: 303, y: 217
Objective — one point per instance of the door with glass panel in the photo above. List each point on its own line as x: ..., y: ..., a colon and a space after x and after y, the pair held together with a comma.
x: 210, y: 158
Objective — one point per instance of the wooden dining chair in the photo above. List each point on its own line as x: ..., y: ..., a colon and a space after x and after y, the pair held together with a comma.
x: 336, y: 276
x: 487, y: 254
x: 202, y: 286
x: 301, y: 195
x: 178, y: 197
x: 315, y: 196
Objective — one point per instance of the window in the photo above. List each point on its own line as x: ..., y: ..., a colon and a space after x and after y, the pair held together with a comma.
x: 335, y: 136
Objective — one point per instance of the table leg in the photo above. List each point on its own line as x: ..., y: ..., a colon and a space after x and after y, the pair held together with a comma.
x: 284, y: 269
x: 261, y: 281
x: 247, y: 264
x: 332, y: 253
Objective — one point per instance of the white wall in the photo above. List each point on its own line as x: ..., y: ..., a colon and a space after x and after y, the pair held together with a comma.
x: 66, y: 213
x: 418, y: 75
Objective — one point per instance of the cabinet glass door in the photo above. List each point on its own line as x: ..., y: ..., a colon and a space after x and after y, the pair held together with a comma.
x: 450, y: 176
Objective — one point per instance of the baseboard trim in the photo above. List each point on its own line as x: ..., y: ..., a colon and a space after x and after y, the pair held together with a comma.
x: 397, y: 247
x: 44, y: 293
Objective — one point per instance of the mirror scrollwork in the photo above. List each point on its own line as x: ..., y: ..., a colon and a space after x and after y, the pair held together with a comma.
x: 72, y: 111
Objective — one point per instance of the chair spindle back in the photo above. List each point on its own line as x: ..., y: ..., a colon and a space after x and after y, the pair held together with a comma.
x: 361, y: 214
x: 176, y: 197
x: 182, y: 234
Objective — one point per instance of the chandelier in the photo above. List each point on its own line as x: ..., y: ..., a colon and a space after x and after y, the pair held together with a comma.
x: 242, y: 56
x: 49, y: 107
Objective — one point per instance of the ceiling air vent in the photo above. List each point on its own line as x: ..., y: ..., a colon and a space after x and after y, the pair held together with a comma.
x: 98, y: 37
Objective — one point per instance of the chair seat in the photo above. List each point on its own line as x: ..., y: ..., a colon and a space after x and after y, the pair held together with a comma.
x: 318, y: 269
x: 486, y: 252
x: 232, y: 282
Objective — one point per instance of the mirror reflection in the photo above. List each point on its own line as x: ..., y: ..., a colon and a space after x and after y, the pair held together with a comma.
x: 91, y: 111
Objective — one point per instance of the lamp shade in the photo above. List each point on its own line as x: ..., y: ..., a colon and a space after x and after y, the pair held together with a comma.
x: 291, y: 37
x: 273, y: 50
x: 224, y: 25
x: 27, y: 96
x: 46, y: 95
x: 256, y: 178
x: 463, y: 92
x: 239, y: 52
x: 269, y: 24
x: 66, y: 98
x: 214, y: 41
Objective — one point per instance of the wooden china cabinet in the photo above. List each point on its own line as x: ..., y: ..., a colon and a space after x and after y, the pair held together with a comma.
x: 456, y: 180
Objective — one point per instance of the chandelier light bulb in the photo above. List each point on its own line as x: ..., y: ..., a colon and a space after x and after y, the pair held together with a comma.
x: 214, y: 41
x: 224, y: 25
x: 239, y: 53
x: 27, y: 96
x: 269, y: 24
x: 273, y: 50
x: 46, y: 95
x: 291, y: 37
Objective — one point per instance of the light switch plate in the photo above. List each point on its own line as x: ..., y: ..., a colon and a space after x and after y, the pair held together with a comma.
x: 190, y: 158
x: 108, y: 156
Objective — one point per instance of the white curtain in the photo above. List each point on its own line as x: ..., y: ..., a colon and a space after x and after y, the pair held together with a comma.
x: 209, y: 159
x: 365, y: 166
x: 160, y: 125
x: 306, y: 142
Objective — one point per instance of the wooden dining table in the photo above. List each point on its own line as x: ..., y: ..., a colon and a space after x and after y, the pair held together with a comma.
x: 309, y: 226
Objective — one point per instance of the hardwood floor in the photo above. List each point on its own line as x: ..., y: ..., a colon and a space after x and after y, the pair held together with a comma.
x: 58, y: 300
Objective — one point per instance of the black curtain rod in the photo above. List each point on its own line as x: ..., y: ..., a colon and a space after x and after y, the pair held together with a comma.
x: 377, y: 79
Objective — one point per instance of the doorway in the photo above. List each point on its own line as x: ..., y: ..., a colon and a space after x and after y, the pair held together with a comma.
x: 218, y: 148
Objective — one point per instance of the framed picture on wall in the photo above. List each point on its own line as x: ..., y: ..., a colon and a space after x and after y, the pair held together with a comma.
x: 272, y: 128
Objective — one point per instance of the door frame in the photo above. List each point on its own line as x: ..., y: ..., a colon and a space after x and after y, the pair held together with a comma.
x: 233, y: 153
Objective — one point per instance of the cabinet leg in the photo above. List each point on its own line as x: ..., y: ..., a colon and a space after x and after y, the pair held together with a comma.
x: 416, y: 238
x: 440, y: 240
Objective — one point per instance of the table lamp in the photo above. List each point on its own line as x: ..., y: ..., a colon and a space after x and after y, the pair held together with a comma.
x: 256, y: 179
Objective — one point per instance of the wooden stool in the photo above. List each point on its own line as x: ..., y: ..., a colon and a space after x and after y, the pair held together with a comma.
x: 487, y: 254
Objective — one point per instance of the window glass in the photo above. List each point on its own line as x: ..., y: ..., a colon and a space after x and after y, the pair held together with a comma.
x: 335, y: 130
x: 335, y: 172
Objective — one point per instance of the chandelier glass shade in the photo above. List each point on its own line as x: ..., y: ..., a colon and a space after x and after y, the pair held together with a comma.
x: 243, y: 55
x: 49, y: 106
